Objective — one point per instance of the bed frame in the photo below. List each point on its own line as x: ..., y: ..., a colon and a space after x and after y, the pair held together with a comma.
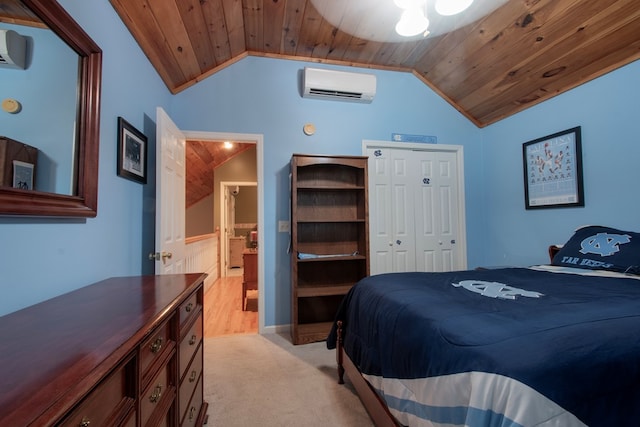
x: 375, y: 406
x: 553, y: 250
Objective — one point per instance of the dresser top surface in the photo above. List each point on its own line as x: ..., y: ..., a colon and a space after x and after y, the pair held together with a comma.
x: 52, y: 352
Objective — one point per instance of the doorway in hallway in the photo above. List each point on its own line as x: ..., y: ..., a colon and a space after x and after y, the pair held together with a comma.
x: 226, y: 312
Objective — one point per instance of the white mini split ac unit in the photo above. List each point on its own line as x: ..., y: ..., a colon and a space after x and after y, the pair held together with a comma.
x: 338, y: 85
x: 13, y: 50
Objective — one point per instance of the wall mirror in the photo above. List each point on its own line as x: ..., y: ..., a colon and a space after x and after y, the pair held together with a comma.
x: 61, y: 108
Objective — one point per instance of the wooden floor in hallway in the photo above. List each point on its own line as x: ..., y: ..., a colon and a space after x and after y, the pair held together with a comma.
x: 223, y: 314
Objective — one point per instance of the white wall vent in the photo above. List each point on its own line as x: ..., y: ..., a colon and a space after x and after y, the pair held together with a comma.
x: 338, y: 85
x: 13, y: 49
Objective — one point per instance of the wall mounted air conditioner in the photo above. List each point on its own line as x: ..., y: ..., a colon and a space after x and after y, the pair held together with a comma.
x: 338, y: 85
x: 13, y: 49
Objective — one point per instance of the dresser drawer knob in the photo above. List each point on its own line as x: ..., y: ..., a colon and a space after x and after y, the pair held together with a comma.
x: 156, y: 345
x: 189, y: 307
x: 157, y: 393
x: 192, y: 412
x: 192, y: 377
x: 193, y: 340
x: 85, y: 422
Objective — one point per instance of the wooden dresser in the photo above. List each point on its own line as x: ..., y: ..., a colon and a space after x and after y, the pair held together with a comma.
x: 122, y: 352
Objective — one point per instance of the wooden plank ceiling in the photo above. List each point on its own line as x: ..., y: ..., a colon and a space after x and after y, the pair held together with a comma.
x: 521, y: 53
x: 202, y: 157
x: 15, y: 12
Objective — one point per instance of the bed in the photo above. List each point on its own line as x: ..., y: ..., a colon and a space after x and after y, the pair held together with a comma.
x: 550, y: 345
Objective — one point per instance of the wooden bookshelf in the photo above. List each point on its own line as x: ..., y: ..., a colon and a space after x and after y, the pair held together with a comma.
x: 330, y: 241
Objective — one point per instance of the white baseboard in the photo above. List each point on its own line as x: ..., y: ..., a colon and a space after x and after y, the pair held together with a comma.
x: 276, y: 329
x: 211, y: 279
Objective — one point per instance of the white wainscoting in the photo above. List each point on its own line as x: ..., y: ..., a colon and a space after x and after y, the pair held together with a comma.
x: 202, y: 257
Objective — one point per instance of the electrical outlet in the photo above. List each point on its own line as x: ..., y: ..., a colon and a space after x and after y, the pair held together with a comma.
x: 283, y: 226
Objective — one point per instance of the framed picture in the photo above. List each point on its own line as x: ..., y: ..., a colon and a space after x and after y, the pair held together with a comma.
x: 553, y: 170
x: 132, y: 152
x: 22, y: 175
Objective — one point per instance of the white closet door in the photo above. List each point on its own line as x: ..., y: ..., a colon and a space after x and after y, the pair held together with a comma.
x: 436, y: 212
x: 416, y: 221
x: 380, y: 229
x: 392, y: 232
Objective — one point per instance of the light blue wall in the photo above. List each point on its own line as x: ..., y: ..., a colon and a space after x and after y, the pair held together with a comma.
x: 42, y: 258
x: 261, y: 95
x: 608, y: 111
x: 52, y: 102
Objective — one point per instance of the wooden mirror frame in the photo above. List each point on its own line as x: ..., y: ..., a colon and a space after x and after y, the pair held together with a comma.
x: 84, y: 201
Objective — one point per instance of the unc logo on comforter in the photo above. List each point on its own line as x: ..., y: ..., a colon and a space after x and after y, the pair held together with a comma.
x: 495, y: 289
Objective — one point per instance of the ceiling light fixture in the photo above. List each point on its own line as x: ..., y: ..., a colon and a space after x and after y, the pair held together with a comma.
x: 375, y: 20
x: 451, y: 7
x: 412, y: 22
x: 228, y: 145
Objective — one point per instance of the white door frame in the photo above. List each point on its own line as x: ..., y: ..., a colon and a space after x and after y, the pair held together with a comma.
x: 257, y: 139
x: 224, y: 189
x: 458, y: 149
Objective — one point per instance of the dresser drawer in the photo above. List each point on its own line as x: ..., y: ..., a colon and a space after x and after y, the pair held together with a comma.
x: 189, y: 344
x: 154, y: 348
x: 193, y: 409
x: 189, y: 383
x: 167, y: 420
x: 109, y: 403
x: 189, y: 308
x: 156, y: 395
x: 131, y: 420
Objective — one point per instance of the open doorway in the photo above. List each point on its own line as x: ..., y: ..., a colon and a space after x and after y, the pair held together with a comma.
x: 239, y: 224
x: 229, y: 307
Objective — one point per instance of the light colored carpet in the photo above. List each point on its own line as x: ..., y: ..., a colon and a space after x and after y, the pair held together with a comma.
x: 264, y: 380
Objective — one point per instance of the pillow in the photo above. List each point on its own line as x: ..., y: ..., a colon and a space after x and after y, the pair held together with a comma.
x: 601, y: 248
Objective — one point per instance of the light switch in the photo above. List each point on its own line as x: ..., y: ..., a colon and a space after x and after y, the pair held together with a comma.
x: 283, y: 226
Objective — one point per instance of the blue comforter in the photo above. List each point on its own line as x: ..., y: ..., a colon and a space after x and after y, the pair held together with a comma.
x: 574, y: 339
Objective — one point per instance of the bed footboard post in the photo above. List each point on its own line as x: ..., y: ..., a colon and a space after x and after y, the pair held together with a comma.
x: 339, y: 353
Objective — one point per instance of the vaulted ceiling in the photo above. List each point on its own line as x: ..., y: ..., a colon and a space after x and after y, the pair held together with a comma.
x: 501, y: 57
x: 202, y: 157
